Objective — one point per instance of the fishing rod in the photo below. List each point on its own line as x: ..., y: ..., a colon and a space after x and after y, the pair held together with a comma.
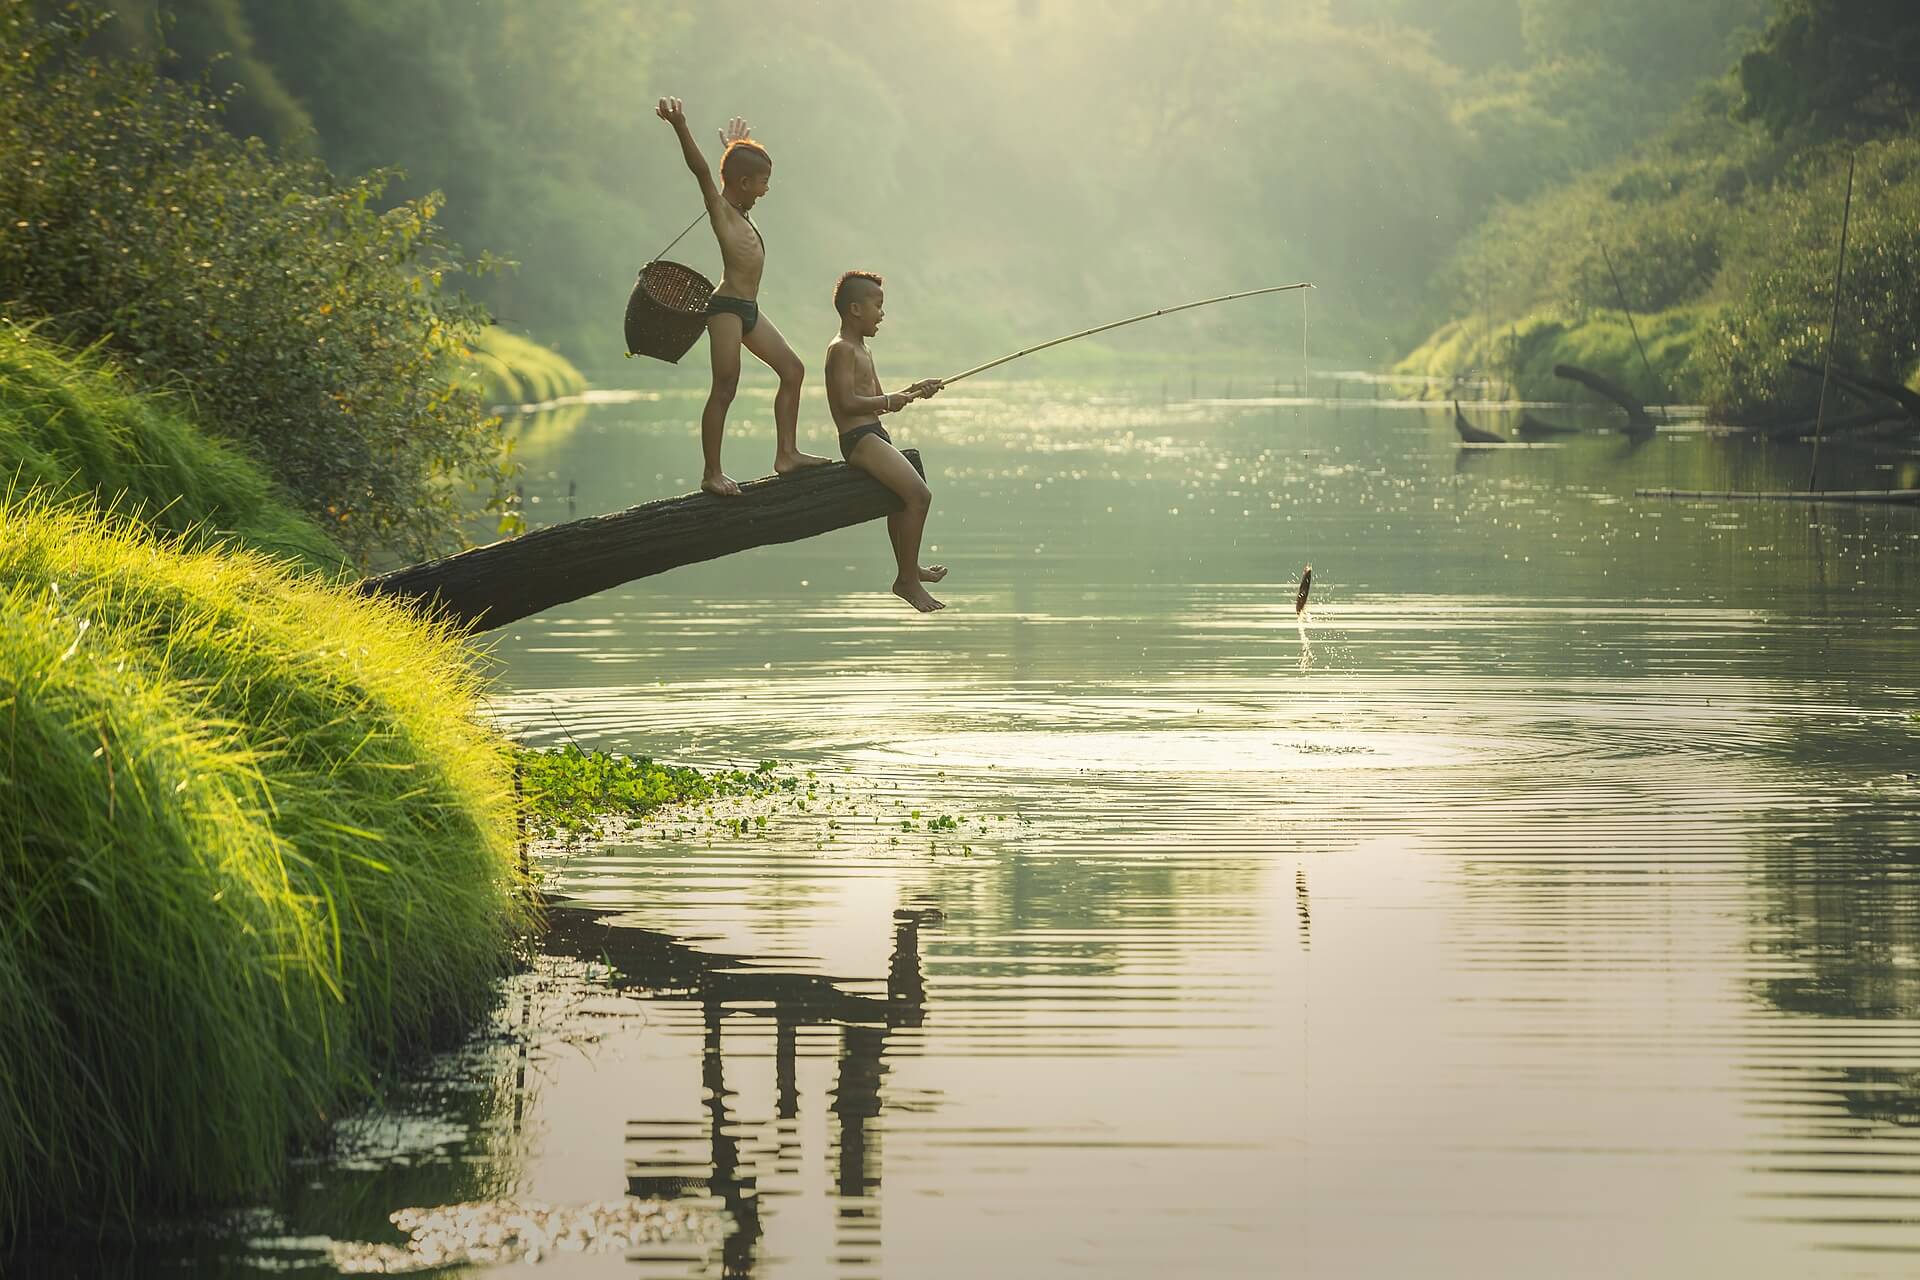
x: 1148, y: 315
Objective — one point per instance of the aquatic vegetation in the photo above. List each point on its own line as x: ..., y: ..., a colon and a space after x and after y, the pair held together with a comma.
x: 255, y: 843
x: 573, y: 793
x: 510, y: 1231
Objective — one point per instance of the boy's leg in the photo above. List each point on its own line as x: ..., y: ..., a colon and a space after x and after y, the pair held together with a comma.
x: 723, y: 342
x: 765, y: 342
x: 890, y: 467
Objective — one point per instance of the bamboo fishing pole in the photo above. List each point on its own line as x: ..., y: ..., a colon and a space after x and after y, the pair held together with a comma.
x: 1102, y: 328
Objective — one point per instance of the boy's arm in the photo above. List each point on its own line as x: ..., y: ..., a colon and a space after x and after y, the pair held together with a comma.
x: 843, y: 394
x: 671, y: 110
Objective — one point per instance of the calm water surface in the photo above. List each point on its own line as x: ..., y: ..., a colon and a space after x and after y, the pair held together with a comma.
x: 1546, y: 904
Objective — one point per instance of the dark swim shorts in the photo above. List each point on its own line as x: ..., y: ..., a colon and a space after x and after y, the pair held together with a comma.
x: 749, y: 312
x: 850, y: 438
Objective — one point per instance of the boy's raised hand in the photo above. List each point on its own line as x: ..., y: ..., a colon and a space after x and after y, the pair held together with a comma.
x: 671, y: 111
x: 736, y: 129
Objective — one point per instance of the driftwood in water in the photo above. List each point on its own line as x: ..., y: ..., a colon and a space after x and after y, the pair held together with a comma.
x: 1638, y: 421
x: 1862, y: 385
x: 1470, y: 433
x: 1903, y: 497
x: 505, y: 581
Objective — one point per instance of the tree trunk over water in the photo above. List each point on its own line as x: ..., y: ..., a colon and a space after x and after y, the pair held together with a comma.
x: 1637, y: 417
x: 505, y: 581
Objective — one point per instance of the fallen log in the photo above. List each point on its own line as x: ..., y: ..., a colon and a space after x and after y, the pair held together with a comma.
x: 1638, y: 421
x: 1860, y: 383
x: 505, y: 581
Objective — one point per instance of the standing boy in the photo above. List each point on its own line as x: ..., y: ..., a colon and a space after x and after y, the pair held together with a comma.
x: 855, y: 398
x: 733, y: 314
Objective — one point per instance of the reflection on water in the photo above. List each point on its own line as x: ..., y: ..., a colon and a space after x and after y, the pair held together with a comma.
x: 1544, y: 904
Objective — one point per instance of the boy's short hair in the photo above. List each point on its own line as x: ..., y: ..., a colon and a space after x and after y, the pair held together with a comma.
x: 744, y: 157
x: 854, y: 286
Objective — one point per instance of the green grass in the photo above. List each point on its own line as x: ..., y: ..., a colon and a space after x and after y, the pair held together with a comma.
x: 254, y: 844
x: 71, y: 427
x: 1525, y: 352
x: 510, y: 369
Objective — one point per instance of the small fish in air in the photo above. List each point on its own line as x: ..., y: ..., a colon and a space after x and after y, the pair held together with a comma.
x: 1306, y: 585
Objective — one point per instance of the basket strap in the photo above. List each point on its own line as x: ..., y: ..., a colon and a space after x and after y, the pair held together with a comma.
x: 682, y: 236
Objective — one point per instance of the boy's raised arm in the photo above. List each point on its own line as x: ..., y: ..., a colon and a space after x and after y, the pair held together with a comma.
x: 671, y: 110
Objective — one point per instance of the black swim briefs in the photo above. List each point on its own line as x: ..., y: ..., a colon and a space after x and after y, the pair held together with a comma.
x: 749, y: 312
x: 851, y: 437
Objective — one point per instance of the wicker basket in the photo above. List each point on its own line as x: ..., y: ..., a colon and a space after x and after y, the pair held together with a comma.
x: 667, y: 311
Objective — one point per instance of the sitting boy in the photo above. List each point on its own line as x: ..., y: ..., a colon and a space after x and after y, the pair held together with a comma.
x: 733, y: 314
x: 856, y: 400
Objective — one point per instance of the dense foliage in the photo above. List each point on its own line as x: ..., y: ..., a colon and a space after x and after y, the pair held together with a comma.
x: 1722, y: 236
x: 300, y: 317
x: 1835, y: 67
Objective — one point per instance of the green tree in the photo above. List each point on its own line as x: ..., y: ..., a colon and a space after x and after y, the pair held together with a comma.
x: 1836, y: 67
x: 299, y: 317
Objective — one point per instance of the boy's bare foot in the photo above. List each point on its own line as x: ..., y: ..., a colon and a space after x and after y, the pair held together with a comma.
x: 916, y: 595
x: 932, y: 572
x: 787, y: 463
x: 717, y: 483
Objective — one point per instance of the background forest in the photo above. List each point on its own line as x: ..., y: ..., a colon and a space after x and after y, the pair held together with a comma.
x: 1015, y: 167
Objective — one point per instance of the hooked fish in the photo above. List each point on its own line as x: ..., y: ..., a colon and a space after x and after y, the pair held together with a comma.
x: 1306, y: 585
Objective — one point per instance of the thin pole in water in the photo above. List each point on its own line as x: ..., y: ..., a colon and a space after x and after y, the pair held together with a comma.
x: 1833, y: 323
x: 1102, y: 328
x: 1632, y: 328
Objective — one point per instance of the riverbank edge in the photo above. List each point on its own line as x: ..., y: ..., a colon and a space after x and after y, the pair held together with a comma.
x: 258, y: 841
x: 508, y: 370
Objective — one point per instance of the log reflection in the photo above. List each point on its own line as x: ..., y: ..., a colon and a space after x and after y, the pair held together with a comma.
x: 713, y: 1157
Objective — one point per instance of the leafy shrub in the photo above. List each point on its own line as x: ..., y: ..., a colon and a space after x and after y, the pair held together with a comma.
x: 1786, y: 303
x: 299, y: 317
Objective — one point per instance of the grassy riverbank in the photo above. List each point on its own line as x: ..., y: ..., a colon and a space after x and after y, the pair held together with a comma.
x: 506, y: 368
x: 70, y: 427
x: 255, y: 840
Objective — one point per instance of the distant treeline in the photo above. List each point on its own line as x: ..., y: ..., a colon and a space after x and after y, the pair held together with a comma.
x: 1722, y: 227
x: 1012, y: 166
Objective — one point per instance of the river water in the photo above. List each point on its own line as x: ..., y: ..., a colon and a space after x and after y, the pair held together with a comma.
x: 1544, y: 903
